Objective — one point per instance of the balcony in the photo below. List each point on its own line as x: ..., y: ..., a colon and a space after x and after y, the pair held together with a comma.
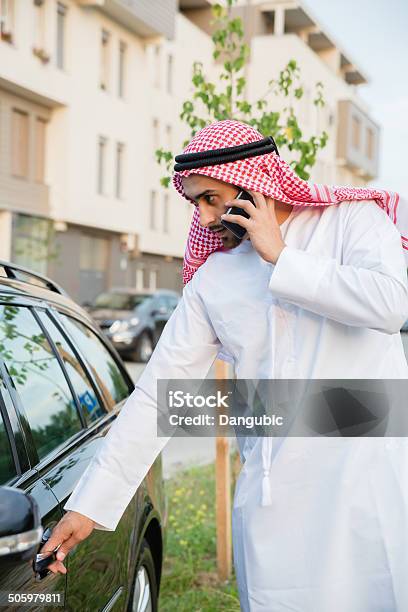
x: 146, y: 18
x: 198, y: 12
x: 357, y: 141
x: 24, y: 196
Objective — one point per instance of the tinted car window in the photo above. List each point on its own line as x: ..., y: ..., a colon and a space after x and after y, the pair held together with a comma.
x: 107, y: 373
x: 38, y: 378
x: 86, y: 395
x: 172, y: 301
x: 7, y: 467
x: 119, y: 301
x: 160, y: 302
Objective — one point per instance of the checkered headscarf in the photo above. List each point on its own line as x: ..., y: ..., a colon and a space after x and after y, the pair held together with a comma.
x: 272, y: 177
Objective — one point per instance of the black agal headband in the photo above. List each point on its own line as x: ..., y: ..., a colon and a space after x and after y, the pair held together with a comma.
x: 188, y: 161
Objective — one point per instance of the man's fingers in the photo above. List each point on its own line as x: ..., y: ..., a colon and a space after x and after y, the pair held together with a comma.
x: 66, y: 547
x: 245, y: 204
x: 59, y: 534
x: 70, y: 531
x: 239, y: 219
x: 259, y: 198
x: 57, y: 568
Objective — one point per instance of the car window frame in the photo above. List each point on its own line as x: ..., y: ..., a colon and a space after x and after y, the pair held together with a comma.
x: 19, y: 427
x: 82, y: 363
x: 97, y: 332
x: 32, y: 454
x: 10, y: 433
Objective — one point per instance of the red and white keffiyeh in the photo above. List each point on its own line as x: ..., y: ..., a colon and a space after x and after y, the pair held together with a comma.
x: 272, y: 176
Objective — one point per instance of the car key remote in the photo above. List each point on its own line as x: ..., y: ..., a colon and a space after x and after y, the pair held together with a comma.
x: 43, y: 560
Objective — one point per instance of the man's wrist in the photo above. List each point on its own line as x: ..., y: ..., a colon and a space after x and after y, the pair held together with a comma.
x: 273, y: 259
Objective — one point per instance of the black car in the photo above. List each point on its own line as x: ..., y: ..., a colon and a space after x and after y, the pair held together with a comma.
x: 133, y: 320
x: 62, y: 386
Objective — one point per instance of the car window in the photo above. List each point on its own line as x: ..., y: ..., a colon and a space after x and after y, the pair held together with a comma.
x: 107, y: 373
x: 160, y: 302
x: 172, y: 301
x: 7, y: 466
x: 116, y: 300
x: 39, y: 380
x: 83, y: 388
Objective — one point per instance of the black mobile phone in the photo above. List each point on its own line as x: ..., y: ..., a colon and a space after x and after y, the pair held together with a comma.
x: 236, y: 229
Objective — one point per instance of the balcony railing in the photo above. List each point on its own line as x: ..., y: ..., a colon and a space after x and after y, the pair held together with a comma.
x: 146, y: 18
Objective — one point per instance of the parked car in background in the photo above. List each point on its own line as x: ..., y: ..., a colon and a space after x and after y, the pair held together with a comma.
x: 62, y: 385
x: 404, y: 328
x: 133, y: 320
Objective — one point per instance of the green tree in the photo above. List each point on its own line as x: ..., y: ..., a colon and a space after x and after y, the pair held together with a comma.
x: 226, y: 99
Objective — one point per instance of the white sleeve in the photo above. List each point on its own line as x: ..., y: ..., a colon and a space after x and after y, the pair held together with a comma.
x: 369, y: 289
x: 186, y: 350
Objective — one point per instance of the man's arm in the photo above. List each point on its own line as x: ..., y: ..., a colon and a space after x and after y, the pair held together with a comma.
x: 186, y: 350
x: 368, y: 290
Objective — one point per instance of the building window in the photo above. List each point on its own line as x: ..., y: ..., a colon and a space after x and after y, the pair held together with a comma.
x: 61, y: 18
x: 166, y: 205
x: 6, y: 20
x: 139, y: 277
x: 119, y: 169
x: 32, y: 241
x: 356, y: 132
x: 121, y: 69
x: 102, y: 146
x: 157, y: 62
x: 153, y: 272
x: 156, y: 135
x: 169, y: 137
x: 40, y: 141
x: 20, y: 143
x: 105, y: 52
x: 169, y: 75
x: 370, y: 143
x: 153, y: 211
x: 39, y: 34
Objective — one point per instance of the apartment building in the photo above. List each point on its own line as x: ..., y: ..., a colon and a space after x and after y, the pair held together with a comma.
x: 280, y: 30
x: 75, y: 162
x: 90, y: 88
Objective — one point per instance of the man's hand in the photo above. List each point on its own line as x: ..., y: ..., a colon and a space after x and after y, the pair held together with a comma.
x: 71, y: 529
x: 262, y: 226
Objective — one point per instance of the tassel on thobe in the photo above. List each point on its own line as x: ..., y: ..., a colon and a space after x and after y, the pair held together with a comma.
x: 266, y: 466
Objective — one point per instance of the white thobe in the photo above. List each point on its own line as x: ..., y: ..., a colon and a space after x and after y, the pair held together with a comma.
x: 334, y: 535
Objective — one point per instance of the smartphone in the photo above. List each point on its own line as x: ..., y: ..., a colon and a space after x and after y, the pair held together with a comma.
x: 236, y: 229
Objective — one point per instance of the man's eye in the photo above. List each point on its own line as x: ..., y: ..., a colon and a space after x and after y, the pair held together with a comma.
x: 208, y: 198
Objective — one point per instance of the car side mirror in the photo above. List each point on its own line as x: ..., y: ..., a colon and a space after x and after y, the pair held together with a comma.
x: 20, y: 525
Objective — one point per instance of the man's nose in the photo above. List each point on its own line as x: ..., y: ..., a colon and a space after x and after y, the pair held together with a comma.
x: 207, y: 216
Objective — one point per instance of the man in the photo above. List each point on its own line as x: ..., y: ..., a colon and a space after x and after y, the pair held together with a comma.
x: 316, y: 289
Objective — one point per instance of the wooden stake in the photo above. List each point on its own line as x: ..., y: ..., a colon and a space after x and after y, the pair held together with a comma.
x: 223, y: 494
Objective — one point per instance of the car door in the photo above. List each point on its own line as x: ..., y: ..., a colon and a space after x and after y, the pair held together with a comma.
x: 101, y: 567
x: 160, y: 315
x: 17, y: 470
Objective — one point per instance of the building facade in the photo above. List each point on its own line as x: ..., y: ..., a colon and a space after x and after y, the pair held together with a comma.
x: 89, y: 89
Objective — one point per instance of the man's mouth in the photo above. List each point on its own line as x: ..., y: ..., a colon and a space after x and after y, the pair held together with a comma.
x: 218, y: 231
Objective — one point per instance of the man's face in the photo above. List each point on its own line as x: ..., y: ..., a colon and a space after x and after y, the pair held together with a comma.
x: 210, y: 196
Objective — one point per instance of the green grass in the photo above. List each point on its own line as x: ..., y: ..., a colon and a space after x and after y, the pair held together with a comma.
x: 190, y: 582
